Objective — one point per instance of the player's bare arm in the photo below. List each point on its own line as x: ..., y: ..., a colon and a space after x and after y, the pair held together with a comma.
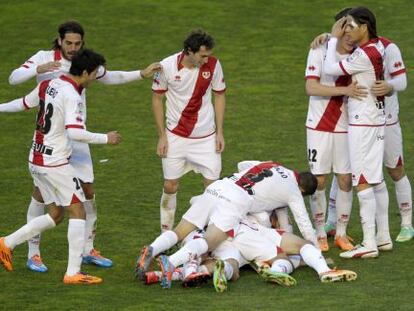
x: 50, y: 66
x: 150, y: 70
x: 158, y: 111
x: 315, y: 88
x: 219, y: 109
x: 319, y: 40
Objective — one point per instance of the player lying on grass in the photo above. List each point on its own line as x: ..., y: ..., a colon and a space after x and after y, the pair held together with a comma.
x: 273, y: 253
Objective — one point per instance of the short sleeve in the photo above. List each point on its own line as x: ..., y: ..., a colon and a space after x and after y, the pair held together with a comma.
x: 393, y: 60
x: 314, y: 64
x: 74, y: 113
x: 218, y: 83
x: 159, y: 83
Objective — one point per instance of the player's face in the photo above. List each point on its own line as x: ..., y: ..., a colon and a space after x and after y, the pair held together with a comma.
x: 200, y: 58
x: 346, y: 43
x: 70, y: 44
x: 354, y: 31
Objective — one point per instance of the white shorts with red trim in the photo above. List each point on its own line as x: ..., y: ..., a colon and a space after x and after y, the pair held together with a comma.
x: 366, y: 146
x: 81, y: 161
x: 196, y: 154
x: 328, y: 152
x: 393, y: 150
x: 58, y: 185
x: 256, y: 242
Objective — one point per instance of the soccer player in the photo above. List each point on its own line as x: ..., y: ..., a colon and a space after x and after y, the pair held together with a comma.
x: 45, y: 65
x: 366, y: 123
x: 327, y: 139
x: 61, y: 119
x: 192, y: 138
x: 263, y: 187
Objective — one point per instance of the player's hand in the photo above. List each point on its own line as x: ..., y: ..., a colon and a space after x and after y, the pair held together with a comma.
x: 319, y: 40
x: 356, y: 91
x: 50, y: 66
x: 219, y: 143
x: 114, y: 138
x: 162, y: 146
x: 150, y: 70
x: 382, y: 88
x: 338, y: 29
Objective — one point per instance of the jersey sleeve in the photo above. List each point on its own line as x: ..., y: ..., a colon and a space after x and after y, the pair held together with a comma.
x: 32, y: 99
x: 314, y: 64
x: 357, y: 62
x: 28, y: 70
x: 298, y: 208
x: 218, y: 83
x: 74, y: 113
x: 393, y: 60
x: 159, y: 83
x: 244, y: 165
x: 101, y: 72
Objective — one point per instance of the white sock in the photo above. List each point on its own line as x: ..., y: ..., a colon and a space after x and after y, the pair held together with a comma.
x: 90, y: 225
x: 33, y: 227
x: 165, y: 241
x: 168, y: 206
x: 318, y: 207
x: 228, y: 271
x: 76, y: 239
x: 194, y: 247
x: 282, y: 265
x: 367, y: 210
x: 35, y: 209
x: 283, y: 219
x: 191, y: 266
x: 332, y: 202
x: 295, y: 260
x: 404, y: 199
x: 343, y: 211
x: 314, y: 259
x: 381, y: 216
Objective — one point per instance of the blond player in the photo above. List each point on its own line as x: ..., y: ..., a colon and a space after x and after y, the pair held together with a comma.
x: 60, y: 119
x: 366, y: 123
x: 50, y: 64
x: 191, y: 138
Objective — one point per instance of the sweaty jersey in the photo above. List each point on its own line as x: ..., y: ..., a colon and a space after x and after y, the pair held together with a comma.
x: 60, y: 107
x: 365, y: 65
x: 328, y: 114
x: 393, y: 66
x: 190, y: 112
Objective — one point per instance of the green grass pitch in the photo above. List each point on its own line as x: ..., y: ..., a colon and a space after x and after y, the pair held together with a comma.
x: 263, y: 47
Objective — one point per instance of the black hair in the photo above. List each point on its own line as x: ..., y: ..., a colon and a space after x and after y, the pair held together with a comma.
x: 308, y: 183
x: 196, y: 39
x: 85, y: 59
x: 362, y: 16
x: 70, y: 26
x: 342, y: 13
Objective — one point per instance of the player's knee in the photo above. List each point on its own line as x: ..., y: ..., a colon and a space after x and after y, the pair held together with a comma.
x: 396, y: 173
x: 321, y: 182
x: 171, y: 186
x: 88, y: 191
x: 57, y: 214
x: 37, y: 195
x: 344, y: 182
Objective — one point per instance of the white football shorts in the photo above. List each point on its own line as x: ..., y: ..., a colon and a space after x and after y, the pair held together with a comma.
x: 393, y: 150
x: 188, y: 154
x: 366, y: 146
x: 328, y: 152
x: 58, y: 185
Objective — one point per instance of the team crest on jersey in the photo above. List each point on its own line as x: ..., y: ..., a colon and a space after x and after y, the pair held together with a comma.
x: 206, y: 74
x: 353, y: 56
x: 177, y: 78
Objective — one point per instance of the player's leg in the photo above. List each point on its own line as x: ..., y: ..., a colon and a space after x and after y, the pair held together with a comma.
x: 36, y: 209
x: 318, y: 208
x: 330, y: 226
x: 343, y: 211
x: 283, y: 219
x: 383, y: 238
x: 394, y: 162
x: 168, y: 204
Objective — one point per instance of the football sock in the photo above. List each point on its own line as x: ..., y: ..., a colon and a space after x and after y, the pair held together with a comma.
x: 228, y: 270
x: 191, y: 266
x: 168, y: 206
x: 283, y: 218
x: 343, y: 211
x: 367, y: 207
x: 318, y: 207
x: 35, y: 209
x: 90, y: 225
x: 165, y: 241
x: 381, y: 216
x: 404, y: 199
x: 282, y: 265
x: 332, y: 202
x: 313, y: 258
x: 33, y: 227
x: 295, y: 260
x: 194, y: 247
x: 76, y: 240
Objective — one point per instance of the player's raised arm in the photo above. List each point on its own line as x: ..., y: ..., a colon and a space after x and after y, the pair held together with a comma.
x: 121, y: 77
x: 29, y: 101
